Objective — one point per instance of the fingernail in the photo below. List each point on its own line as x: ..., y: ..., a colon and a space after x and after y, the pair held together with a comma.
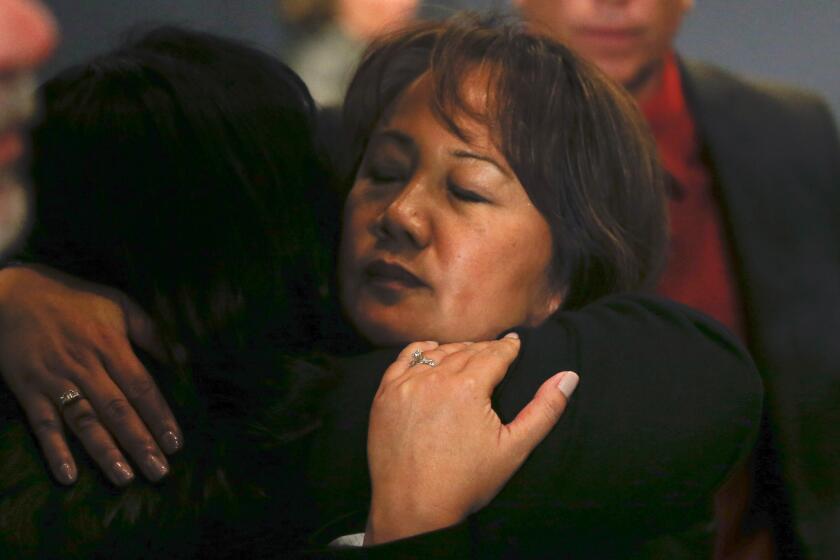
x: 512, y: 335
x: 568, y: 383
x: 171, y: 442
x: 66, y: 473
x: 122, y: 473
x: 155, y: 468
x: 432, y: 342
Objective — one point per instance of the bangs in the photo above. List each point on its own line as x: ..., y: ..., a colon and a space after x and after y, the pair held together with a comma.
x: 574, y: 139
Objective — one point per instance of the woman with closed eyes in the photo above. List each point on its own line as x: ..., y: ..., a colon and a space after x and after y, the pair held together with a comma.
x: 500, y: 183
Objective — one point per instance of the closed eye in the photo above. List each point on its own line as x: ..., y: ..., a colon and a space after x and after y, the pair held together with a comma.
x: 465, y: 195
x: 384, y: 173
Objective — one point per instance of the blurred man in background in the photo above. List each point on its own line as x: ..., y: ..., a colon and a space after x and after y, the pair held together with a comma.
x: 27, y: 36
x: 334, y: 35
x: 755, y: 228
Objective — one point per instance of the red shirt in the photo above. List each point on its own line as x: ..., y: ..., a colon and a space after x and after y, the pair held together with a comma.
x: 699, y: 270
x: 699, y: 273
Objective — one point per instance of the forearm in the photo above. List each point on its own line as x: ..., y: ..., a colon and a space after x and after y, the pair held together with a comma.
x: 667, y: 403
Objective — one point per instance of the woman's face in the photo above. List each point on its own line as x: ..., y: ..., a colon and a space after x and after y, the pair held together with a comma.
x: 440, y: 239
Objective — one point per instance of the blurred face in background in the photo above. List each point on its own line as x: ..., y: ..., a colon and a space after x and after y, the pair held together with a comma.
x: 627, y: 39
x: 27, y: 36
x: 367, y: 19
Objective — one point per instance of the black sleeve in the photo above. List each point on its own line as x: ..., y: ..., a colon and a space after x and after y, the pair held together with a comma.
x: 667, y: 404
x: 451, y: 542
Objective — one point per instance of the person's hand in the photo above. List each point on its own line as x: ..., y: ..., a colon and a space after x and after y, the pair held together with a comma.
x: 437, y: 451
x: 59, y: 334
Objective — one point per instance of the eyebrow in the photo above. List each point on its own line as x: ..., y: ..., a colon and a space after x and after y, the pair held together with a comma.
x: 406, y: 142
x: 464, y: 154
x: 403, y: 140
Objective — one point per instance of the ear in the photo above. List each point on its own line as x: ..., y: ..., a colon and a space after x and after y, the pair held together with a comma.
x: 551, y: 304
x: 555, y: 301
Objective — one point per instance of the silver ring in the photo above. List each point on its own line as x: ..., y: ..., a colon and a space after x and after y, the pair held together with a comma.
x: 69, y: 397
x: 417, y: 357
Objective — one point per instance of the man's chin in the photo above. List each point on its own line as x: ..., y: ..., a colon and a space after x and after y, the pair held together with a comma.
x: 14, y: 214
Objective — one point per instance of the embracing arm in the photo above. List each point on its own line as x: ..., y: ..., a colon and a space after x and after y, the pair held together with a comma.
x: 57, y: 334
x: 668, y: 403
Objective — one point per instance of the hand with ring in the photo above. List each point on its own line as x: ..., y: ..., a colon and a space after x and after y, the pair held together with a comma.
x: 437, y: 451
x: 417, y: 357
x: 66, y: 356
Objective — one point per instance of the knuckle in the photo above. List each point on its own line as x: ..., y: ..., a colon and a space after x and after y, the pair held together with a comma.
x: 479, y: 346
x: 84, y: 421
x: 552, y: 409
x: 89, y: 334
x: 46, y: 426
x: 109, y: 337
x: 403, y: 392
x: 468, y: 384
x: 118, y: 409
x: 140, y: 388
x: 76, y: 365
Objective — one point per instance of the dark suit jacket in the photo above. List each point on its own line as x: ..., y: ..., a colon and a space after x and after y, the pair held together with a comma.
x: 776, y: 160
x: 668, y: 402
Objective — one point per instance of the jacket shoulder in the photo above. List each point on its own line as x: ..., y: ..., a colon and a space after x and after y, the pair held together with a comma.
x: 768, y: 118
x: 713, y: 83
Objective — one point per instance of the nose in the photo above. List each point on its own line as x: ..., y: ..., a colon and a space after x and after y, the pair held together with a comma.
x: 406, y: 218
x: 28, y: 34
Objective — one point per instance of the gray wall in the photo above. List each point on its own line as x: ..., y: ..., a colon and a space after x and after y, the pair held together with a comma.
x: 793, y: 41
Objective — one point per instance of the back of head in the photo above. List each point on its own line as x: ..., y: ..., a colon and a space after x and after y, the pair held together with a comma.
x: 574, y: 139
x: 181, y: 169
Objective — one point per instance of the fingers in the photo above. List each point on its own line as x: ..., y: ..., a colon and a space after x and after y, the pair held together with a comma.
x: 441, y: 353
x: 403, y: 361
x: 540, y: 415
x: 115, y: 412
x: 47, y: 426
x: 489, y: 360
x: 82, y: 420
x: 142, y: 392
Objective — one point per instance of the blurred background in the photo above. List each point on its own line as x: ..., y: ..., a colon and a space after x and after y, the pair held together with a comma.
x: 780, y: 40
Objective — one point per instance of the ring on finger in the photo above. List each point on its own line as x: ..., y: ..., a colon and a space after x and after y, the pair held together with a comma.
x: 69, y: 397
x: 418, y: 358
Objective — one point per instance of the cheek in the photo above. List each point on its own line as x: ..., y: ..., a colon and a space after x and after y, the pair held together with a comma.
x: 666, y: 22
x: 498, y: 276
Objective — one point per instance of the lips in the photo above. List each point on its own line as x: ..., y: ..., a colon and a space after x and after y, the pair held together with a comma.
x: 611, y: 36
x: 392, y: 275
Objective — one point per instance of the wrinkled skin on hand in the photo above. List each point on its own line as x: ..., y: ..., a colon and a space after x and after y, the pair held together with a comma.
x: 437, y: 451
x: 59, y: 333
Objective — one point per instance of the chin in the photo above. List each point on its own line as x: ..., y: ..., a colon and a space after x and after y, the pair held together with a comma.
x: 379, y: 331
x: 384, y: 335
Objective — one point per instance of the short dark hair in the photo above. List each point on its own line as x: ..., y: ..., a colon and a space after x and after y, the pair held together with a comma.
x: 181, y: 169
x: 575, y: 140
